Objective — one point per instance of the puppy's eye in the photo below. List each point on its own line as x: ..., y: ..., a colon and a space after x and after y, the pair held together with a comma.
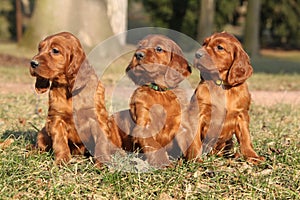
x: 55, y: 51
x: 158, y: 49
x: 219, y: 47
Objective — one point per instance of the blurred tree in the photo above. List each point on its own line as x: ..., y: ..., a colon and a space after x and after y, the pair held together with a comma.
x: 206, y: 19
x: 163, y: 12
x: 117, y: 14
x: 251, y: 35
x: 191, y: 19
x: 167, y: 13
x: 19, y: 17
x: 226, y: 13
x: 280, y: 24
x: 7, y: 20
x: 172, y: 14
x: 178, y: 9
x: 160, y: 12
x: 88, y: 20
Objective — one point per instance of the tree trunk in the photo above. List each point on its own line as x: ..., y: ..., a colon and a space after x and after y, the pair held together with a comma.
x: 19, y: 17
x: 206, y: 21
x: 49, y: 16
x: 178, y: 10
x: 87, y: 20
x: 117, y: 14
x: 251, y: 36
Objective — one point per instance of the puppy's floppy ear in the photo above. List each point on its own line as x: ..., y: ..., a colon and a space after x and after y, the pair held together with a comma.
x: 178, y: 69
x: 241, y: 68
x: 77, y: 56
x: 41, y: 85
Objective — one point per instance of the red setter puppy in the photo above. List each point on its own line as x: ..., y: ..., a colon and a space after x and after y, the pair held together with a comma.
x: 158, y: 105
x: 56, y: 67
x: 222, y: 96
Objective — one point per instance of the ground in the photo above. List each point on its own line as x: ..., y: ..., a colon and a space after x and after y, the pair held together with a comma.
x: 7, y: 60
x: 265, y: 98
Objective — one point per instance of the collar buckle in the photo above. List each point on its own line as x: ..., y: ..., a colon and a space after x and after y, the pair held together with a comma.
x: 219, y: 82
x: 156, y: 87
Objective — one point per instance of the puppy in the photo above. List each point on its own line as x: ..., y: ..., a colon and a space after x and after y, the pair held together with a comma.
x: 158, y: 106
x: 56, y: 68
x: 222, y: 97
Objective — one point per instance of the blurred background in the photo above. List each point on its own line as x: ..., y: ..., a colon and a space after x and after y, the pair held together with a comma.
x: 269, y: 31
x: 259, y: 24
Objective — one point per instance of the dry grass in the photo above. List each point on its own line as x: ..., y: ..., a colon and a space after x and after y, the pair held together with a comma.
x: 29, y: 174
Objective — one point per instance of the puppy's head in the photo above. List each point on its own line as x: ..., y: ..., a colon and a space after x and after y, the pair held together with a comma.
x: 158, y: 59
x: 59, y: 58
x: 222, y: 57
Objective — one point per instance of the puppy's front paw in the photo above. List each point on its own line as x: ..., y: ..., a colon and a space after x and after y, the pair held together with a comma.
x: 62, y: 158
x: 256, y: 160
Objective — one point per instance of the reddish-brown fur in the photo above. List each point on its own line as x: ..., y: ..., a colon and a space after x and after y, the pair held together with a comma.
x: 222, y: 58
x: 56, y: 67
x: 159, y: 111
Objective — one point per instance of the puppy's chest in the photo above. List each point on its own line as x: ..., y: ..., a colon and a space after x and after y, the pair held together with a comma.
x: 60, y: 104
x: 232, y: 100
x: 157, y: 100
x: 237, y: 99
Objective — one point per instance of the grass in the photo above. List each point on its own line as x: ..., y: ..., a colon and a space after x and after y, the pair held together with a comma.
x: 16, y: 50
x: 15, y: 74
x: 276, y: 71
x: 274, y: 82
x: 29, y: 174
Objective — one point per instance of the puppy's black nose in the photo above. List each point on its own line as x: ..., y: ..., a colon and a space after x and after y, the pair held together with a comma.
x: 34, y: 64
x: 199, y: 55
x: 139, y: 55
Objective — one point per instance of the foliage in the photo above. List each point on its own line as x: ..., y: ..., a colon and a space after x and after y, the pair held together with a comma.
x: 163, y: 12
x: 226, y: 13
x: 280, y: 22
x: 174, y: 14
x: 6, y: 18
x: 190, y: 21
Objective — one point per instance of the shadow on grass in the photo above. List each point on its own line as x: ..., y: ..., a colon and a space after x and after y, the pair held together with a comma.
x: 28, y: 136
x: 275, y: 66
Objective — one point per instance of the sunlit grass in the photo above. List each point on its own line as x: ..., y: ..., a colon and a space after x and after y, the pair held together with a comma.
x: 16, y: 50
x: 274, y: 82
x: 29, y: 174
x: 15, y: 74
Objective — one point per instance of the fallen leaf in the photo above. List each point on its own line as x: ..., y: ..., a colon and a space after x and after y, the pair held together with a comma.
x: 263, y: 172
x: 22, y: 121
x: 6, y: 143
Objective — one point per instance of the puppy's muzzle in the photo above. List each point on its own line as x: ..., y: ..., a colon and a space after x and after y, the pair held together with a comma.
x: 199, y: 54
x: 139, y: 55
x: 34, y: 64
